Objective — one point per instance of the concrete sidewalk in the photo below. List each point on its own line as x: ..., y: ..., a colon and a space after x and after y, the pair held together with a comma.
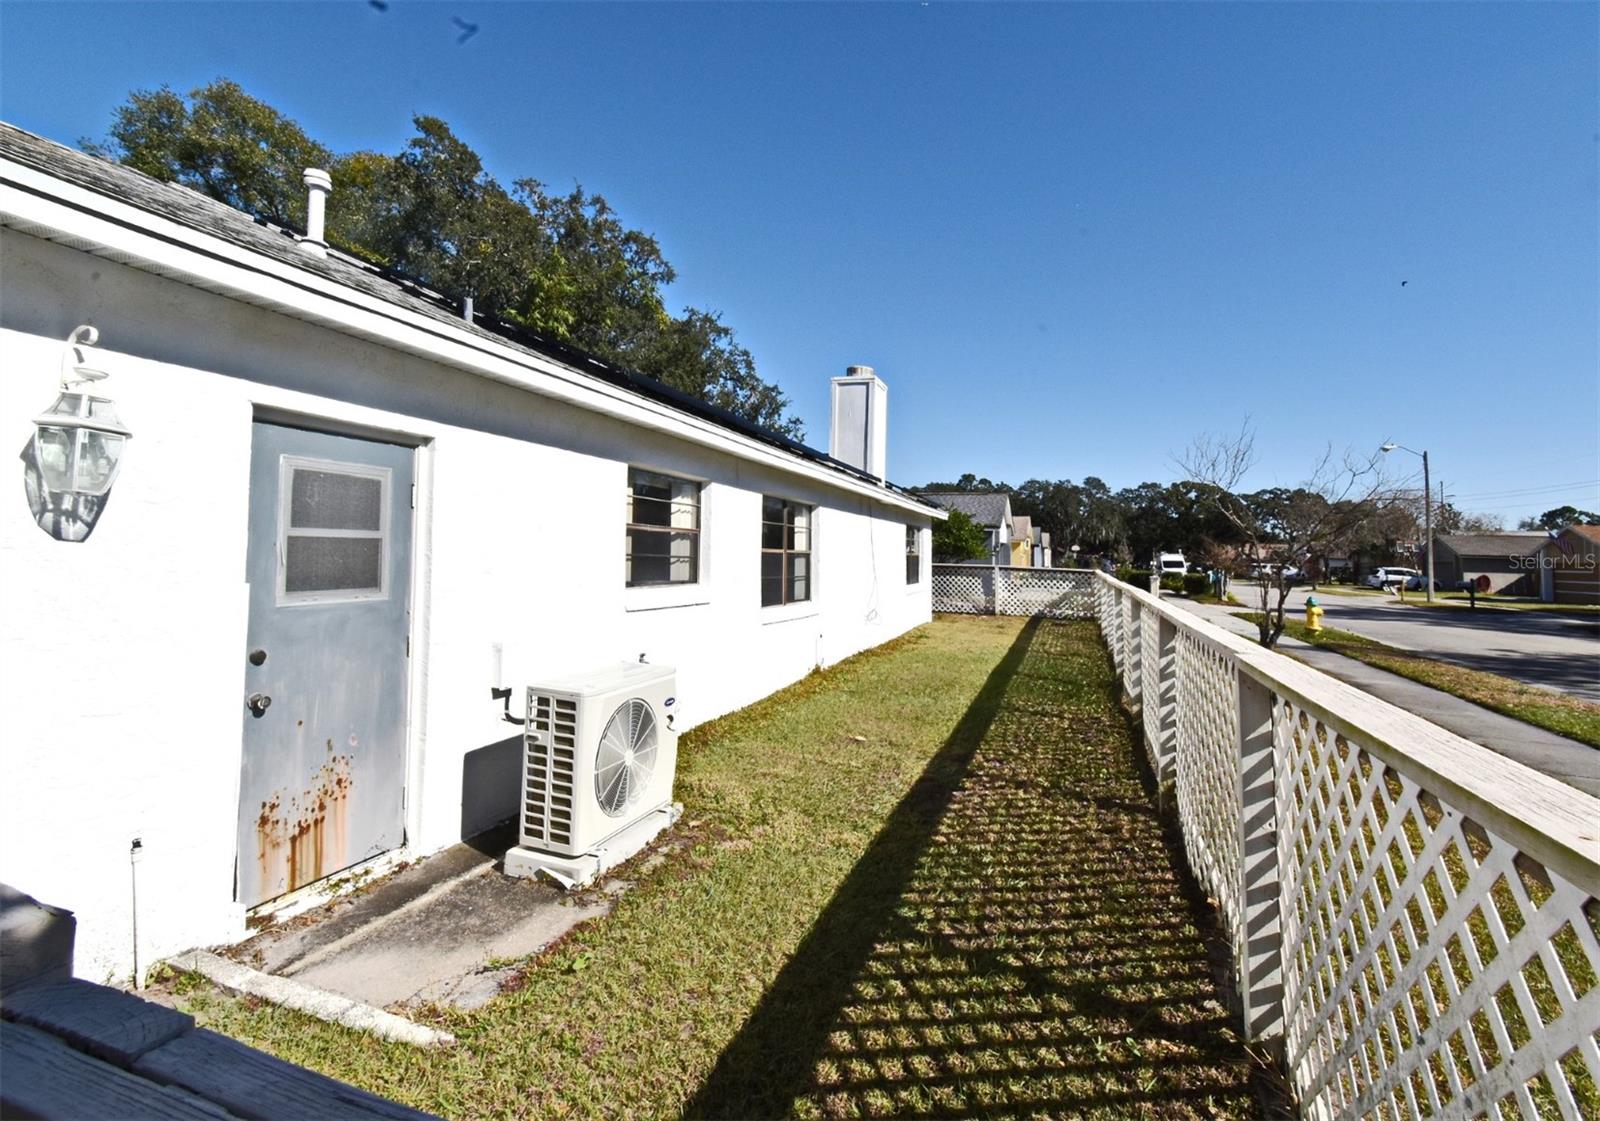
x: 1574, y: 763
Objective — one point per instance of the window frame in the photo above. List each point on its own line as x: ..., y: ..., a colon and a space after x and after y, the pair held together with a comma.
x: 913, y: 556
x: 287, y: 466
x: 630, y: 526
x: 787, y: 553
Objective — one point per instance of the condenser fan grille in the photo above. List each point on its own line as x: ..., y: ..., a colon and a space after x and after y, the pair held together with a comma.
x: 625, y: 758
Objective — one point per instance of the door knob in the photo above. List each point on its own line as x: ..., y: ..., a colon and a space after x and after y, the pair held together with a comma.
x: 258, y: 703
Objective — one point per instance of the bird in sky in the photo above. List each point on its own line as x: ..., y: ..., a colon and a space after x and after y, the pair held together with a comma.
x: 1403, y: 283
x: 468, y: 30
x: 381, y: 5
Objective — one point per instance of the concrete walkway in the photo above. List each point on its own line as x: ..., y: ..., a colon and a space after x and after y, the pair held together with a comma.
x: 1574, y: 763
x: 440, y: 931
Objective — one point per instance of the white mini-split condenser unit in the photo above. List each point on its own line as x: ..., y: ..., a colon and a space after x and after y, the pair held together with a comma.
x: 599, y: 751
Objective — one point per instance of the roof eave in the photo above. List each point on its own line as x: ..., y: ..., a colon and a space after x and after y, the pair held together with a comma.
x: 34, y: 202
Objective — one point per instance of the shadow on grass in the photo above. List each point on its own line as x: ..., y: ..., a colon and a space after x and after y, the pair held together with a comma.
x: 772, y: 1059
x: 1018, y: 939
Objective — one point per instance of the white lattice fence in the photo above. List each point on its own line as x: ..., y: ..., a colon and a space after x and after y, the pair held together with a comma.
x: 963, y: 589
x: 1417, y: 916
x: 1207, y: 773
x: 1058, y: 593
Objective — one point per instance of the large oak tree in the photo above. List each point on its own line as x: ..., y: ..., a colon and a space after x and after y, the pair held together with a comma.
x: 562, y: 265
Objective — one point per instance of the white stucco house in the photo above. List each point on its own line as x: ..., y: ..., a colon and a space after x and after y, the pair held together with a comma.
x: 336, y: 518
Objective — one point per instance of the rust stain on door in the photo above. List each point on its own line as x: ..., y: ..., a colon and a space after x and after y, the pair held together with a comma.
x: 306, y: 838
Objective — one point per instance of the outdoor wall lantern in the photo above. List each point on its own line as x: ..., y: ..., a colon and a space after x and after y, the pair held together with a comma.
x: 72, y: 460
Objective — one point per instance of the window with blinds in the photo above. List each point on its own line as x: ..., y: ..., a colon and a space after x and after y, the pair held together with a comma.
x: 663, y: 545
x: 785, y: 552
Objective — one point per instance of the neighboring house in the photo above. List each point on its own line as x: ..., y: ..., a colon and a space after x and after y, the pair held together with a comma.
x: 346, y: 517
x: 1022, y: 542
x: 1569, y: 566
x: 990, y: 512
x: 1505, y: 558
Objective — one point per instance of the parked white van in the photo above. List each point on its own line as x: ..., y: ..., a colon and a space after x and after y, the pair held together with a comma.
x: 1171, y: 564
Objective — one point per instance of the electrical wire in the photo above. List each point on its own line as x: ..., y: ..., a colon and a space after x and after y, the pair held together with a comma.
x: 1580, y: 485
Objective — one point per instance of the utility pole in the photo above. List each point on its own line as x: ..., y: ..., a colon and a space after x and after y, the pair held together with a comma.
x: 1427, y: 520
x: 1427, y: 505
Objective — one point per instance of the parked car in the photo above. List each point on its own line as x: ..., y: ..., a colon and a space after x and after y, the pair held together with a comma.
x: 1419, y: 583
x: 1388, y: 577
x: 1269, y: 573
x: 1171, y: 564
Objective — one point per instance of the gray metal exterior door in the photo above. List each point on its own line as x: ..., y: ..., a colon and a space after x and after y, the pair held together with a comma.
x: 329, y: 568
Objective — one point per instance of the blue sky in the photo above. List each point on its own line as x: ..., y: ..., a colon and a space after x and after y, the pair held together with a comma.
x: 1070, y: 237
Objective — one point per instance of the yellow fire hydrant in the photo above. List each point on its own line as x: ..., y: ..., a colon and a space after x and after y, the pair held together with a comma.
x: 1313, y: 615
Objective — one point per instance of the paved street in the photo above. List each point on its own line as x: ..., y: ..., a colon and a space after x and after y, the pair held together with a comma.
x: 1576, y: 764
x: 1553, y: 651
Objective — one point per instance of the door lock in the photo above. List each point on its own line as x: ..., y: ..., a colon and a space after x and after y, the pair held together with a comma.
x: 258, y: 704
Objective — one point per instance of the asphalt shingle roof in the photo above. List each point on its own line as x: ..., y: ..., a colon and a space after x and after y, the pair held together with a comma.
x: 985, y: 509
x: 1492, y: 544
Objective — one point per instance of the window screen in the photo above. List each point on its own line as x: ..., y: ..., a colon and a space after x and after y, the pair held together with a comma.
x: 913, y: 554
x: 334, y: 529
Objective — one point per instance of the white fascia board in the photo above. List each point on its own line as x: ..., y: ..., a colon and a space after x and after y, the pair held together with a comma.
x: 74, y: 214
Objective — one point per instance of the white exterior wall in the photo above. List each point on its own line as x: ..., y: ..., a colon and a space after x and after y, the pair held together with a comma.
x: 122, y: 657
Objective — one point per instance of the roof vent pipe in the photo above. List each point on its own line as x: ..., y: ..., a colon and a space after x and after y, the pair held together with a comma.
x: 318, y: 183
x: 466, y: 308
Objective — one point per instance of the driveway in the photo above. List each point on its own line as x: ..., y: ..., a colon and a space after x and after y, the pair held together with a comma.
x: 1546, y: 649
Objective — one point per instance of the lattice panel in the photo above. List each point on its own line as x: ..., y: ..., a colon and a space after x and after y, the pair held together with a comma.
x: 1208, y: 775
x: 1430, y: 969
x: 962, y: 589
x: 1130, y: 646
x: 1103, y: 602
x: 1111, y: 629
x: 1150, y: 683
x: 1056, y: 593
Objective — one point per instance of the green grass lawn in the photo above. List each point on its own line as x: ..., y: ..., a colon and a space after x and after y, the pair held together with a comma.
x: 927, y: 881
x: 1556, y: 712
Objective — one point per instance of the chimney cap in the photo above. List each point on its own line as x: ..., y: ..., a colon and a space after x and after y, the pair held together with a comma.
x: 860, y: 372
x: 317, y: 179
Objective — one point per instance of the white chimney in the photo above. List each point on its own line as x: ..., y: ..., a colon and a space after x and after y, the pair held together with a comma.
x: 318, y: 183
x: 859, y: 434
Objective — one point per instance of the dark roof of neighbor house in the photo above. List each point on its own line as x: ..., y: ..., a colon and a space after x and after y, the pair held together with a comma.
x: 1492, y: 544
x: 1588, y: 538
x: 985, y: 509
x: 190, y: 208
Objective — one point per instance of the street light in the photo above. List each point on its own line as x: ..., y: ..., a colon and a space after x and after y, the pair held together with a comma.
x: 1427, y: 506
x: 1075, y: 556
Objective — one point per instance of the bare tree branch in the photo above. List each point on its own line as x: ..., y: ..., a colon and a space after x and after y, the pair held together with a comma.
x: 1284, y: 529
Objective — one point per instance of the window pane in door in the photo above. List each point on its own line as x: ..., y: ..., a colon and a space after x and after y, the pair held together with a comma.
x: 334, y: 500
x: 328, y: 564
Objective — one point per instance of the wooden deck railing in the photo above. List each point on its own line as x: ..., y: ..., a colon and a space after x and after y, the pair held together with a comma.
x: 1414, y: 915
